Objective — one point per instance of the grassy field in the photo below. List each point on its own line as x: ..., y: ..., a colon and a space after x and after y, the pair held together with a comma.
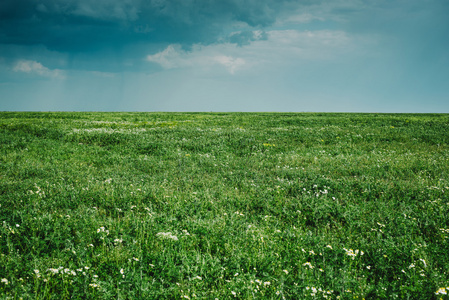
x: 224, y: 206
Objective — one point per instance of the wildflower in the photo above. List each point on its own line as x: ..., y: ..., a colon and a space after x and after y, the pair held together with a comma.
x: 424, y: 262
x: 329, y: 246
x: 17, y: 225
x: 441, y: 291
x: 5, y: 281
x: 411, y: 266
x: 136, y: 259
x: 234, y: 293
x: 368, y: 267
x: 285, y: 271
x: 351, y: 253
x: 266, y: 283
x: 308, y: 264
x: 197, y: 277
x: 93, y: 285
x: 54, y: 271
x: 102, y: 229
x: 236, y: 274
x: 167, y: 235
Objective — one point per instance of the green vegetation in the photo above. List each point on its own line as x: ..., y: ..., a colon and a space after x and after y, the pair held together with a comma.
x: 224, y: 206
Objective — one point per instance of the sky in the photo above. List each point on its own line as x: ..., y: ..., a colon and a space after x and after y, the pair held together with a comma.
x: 225, y: 55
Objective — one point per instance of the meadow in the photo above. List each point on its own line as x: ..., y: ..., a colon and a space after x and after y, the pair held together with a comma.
x: 224, y: 206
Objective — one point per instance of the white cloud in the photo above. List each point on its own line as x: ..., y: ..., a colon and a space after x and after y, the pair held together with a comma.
x: 34, y: 67
x: 299, y: 18
x: 310, y: 45
x: 282, y: 47
x: 204, y: 57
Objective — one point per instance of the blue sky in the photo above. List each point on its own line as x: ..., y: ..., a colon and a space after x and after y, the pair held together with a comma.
x: 224, y: 55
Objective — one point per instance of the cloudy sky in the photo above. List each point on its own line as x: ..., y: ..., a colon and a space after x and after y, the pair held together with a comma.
x: 225, y: 55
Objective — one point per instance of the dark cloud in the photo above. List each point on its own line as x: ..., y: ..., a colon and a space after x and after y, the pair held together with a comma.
x: 85, y: 25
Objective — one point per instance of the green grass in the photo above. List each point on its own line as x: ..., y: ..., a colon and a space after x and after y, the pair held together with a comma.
x: 224, y: 206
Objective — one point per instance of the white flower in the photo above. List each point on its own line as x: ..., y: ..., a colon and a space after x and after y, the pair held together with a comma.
x: 266, y: 283
x: 54, y: 271
x: 329, y: 246
x: 122, y: 271
x: 234, y: 293
x: 5, y: 281
x: 36, y: 271
x: 411, y: 266
x: 308, y: 264
x: 197, y: 277
x: 441, y: 291
x: 424, y: 262
x: 285, y: 271
x: 167, y: 235
x: 351, y: 253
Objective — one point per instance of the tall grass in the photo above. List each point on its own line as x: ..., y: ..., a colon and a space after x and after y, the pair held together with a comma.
x: 224, y: 206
